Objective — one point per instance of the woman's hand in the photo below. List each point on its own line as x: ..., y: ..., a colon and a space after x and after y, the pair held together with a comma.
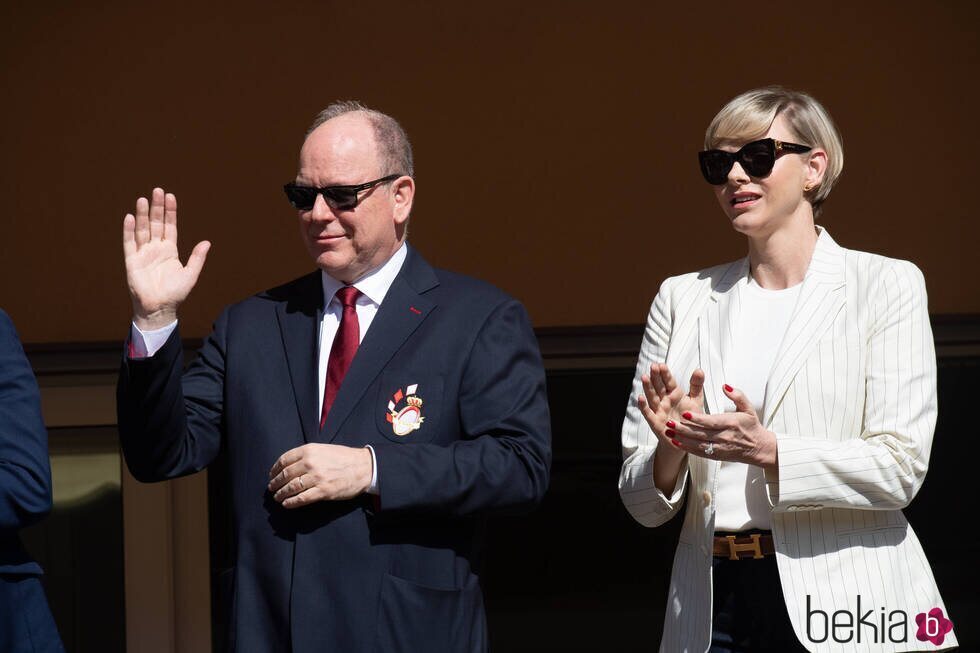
x: 663, y: 401
x: 661, y: 405
x: 737, y: 437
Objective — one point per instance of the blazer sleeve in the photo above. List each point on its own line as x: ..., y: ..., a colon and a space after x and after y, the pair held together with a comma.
x: 169, y: 419
x: 883, y: 466
x: 644, y: 501
x: 25, y: 472
x: 502, y: 460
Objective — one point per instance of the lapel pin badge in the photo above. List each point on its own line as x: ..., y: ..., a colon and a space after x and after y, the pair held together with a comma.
x: 409, y: 417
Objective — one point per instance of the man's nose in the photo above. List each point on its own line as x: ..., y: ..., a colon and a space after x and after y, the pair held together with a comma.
x: 321, y: 211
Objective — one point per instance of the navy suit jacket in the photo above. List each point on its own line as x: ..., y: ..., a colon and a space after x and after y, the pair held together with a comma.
x: 25, y: 497
x: 354, y: 575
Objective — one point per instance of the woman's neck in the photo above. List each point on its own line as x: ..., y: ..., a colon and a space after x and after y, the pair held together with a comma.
x: 780, y: 259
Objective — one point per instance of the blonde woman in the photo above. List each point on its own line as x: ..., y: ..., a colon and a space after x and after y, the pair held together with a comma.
x: 791, y: 397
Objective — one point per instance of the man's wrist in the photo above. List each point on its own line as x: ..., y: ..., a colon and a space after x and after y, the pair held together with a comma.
x: 155, y: 320
x: 145, y: 344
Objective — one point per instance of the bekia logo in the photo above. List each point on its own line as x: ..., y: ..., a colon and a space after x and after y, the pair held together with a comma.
x: 875, y: 625
x: 933, y: 626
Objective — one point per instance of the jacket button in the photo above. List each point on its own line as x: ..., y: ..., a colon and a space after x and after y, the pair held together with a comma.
x: 707, y: 497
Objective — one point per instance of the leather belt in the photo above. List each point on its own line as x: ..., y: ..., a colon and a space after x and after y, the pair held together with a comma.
x: 749, y: 545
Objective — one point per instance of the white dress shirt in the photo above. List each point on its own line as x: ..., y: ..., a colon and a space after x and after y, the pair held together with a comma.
x: 373, y: 287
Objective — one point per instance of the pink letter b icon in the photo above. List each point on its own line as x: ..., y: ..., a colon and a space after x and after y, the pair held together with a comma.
x: 933, y: 626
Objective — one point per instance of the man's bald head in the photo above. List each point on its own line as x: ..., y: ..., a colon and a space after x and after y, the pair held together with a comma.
x: 394, y: 149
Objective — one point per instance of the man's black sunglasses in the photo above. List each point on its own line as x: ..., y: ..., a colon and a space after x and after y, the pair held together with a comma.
x: 339, y: 198
x: 756, y: 158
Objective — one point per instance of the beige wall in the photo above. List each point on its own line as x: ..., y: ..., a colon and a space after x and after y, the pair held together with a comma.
x: 555, y: 141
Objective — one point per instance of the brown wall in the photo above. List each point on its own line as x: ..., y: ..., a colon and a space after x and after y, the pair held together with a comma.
x: 555, y: 141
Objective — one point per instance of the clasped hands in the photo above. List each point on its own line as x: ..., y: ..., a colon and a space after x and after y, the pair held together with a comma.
x: 320, y: 472
x: 681, y: 424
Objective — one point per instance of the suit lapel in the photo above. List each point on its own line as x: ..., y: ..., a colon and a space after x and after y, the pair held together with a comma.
x: 298, y: 312
x: 402, y: 311
x: 715, y: 334
x: 821, y: 300
x: 714, y: 342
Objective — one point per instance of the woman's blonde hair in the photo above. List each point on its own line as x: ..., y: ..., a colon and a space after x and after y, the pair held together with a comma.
x: 749, y: 116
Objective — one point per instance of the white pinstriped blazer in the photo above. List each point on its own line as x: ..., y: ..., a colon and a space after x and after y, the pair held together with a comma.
x: 852, y: 401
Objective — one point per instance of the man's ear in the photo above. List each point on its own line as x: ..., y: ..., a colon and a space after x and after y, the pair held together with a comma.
x: 403, y: 193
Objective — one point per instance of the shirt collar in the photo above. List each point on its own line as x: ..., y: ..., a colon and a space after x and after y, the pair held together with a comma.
x: 374, y: 285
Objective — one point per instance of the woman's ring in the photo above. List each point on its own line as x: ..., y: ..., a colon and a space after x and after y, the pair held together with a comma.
x: 709, y: 448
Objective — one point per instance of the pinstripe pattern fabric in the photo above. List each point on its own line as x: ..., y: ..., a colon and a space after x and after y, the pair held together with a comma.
x: 852, y: 400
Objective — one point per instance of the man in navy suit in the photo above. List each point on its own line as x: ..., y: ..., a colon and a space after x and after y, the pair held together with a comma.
x: 26, y: 624
x: 372, y: 414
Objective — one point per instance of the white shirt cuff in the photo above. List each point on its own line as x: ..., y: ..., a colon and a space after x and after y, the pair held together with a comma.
x: 373, y: 489
x: 143, y: 344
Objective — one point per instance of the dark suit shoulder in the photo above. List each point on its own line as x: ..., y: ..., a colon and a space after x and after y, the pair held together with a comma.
x: 308, y: 284
x: 470, y: 290
x: 7, y: 329
x: 301, y: 294
x: 451, y: 289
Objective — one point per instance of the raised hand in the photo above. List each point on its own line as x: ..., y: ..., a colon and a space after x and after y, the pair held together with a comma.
x: 664, y: 401
x: 662, y: 404
x: 157, y: 280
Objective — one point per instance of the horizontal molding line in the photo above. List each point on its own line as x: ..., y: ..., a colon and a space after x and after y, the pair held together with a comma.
x: 614, y: 346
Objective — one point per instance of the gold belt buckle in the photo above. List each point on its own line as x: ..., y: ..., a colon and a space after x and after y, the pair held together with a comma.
x: 733, y: 549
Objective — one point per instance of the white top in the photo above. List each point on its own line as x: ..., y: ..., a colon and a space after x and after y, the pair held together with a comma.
x: 373, y: 286
x: 757, y: 331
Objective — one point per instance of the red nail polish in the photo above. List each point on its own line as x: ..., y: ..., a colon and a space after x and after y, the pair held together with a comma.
x: 729, y: 388
x: 670, y: 423
x: 670, y: 433
x: 676, y: 443
x: 686, y: 415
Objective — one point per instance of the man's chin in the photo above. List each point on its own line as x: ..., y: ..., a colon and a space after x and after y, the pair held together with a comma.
x: 341, y: 270
x: 330, y: 262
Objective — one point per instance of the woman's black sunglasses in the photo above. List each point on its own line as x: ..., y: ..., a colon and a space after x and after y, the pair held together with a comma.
x: 756, y: 158
x: 339, y: 198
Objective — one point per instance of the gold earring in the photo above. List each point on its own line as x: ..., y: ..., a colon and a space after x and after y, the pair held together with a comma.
x: 807, y: 188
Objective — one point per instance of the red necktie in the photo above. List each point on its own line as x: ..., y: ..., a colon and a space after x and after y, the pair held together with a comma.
x: 343, y: 349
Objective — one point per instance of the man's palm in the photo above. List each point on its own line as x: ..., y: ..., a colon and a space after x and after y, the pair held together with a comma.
x: 158, y: 282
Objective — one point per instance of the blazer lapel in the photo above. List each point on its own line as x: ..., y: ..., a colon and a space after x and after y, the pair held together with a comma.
x: 713, y: 343
x: 298, y: 314
x: 821, y: 300
x: 402, y: 311
x: 715, y: 334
